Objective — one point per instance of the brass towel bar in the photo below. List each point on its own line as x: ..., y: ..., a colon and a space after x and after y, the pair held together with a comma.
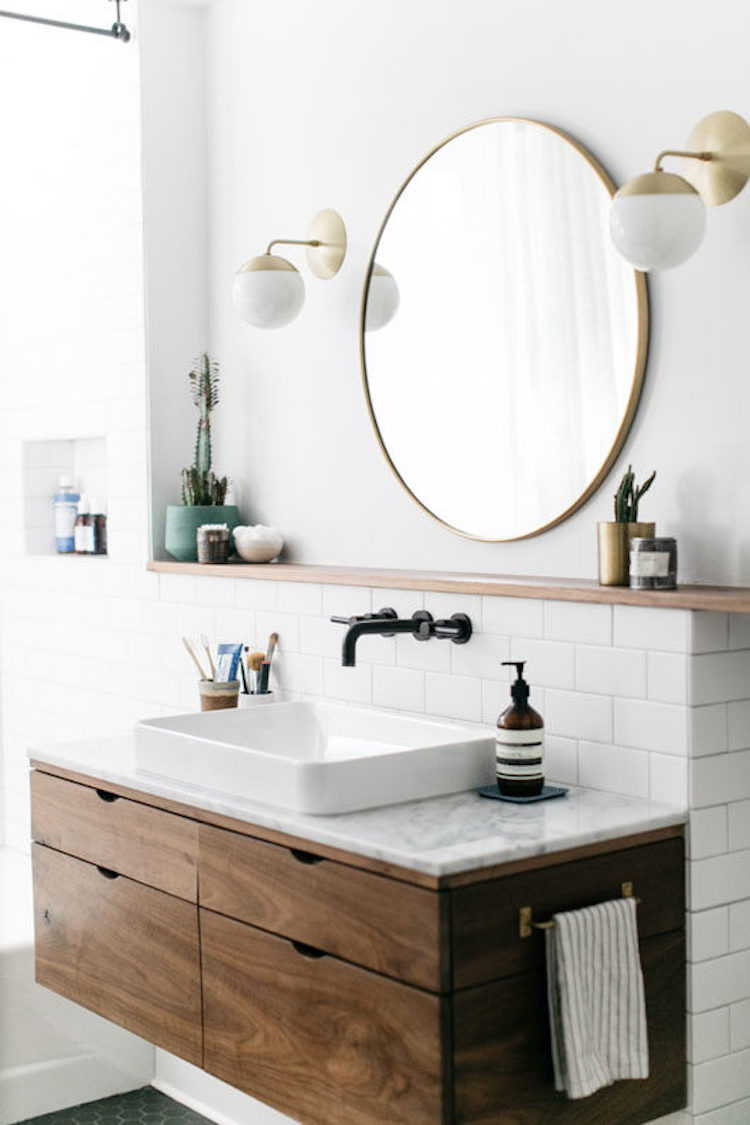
x: 527, y: 925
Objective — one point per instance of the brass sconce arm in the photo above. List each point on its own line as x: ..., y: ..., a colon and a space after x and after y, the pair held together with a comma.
x: 295, y: 242
x: 683, y: 153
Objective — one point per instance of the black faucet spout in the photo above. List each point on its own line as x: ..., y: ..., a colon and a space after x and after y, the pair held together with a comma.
x: 373, y: 627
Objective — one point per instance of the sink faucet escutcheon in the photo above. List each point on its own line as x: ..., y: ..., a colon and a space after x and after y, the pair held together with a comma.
x: 386, y: 623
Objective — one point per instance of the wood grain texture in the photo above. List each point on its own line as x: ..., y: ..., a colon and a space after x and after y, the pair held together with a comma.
x: 503, y: 1071
x: 486, y: 944
x: 121, y: 949
x: 366, y: 863
x: 323, y: 1041
x: 134, y: 839
x: 720, y: 599
x: 385, y: 925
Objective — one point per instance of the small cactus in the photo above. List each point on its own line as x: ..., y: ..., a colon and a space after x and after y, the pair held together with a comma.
x: 200, y: 486
x: 628, y: 496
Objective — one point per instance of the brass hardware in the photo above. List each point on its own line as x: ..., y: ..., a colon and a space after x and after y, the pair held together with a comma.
x: 326, y: 248
x: 680, y: 152
x: 527, y: 925
x: 639, y: 369
x: 614, y: 549
x: 726, y: 136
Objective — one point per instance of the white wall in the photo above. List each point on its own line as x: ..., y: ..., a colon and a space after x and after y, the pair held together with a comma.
x: 332, y: 104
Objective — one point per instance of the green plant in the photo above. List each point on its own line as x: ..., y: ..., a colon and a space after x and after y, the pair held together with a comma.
x: 199, y: 484
x: 628, y: 496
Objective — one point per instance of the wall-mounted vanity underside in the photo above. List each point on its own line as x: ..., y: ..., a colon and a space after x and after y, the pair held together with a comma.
x: 334, y: 985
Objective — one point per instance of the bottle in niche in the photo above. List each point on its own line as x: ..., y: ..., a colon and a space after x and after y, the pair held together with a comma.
x: 66, y: 509
x: 98, y: 518
x: 520, y: 742
x: 83, y: 532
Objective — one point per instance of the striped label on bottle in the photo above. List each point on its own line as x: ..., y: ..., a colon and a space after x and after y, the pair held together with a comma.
x: 520, y: 754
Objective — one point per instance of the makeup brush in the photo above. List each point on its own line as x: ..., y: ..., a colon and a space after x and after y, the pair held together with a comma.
x: 265, y: 670
x: 254, y: 661
x: 273, y: 640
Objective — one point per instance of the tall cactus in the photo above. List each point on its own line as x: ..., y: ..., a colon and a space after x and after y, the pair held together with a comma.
x: 628, y: 496
x: 199, y: 483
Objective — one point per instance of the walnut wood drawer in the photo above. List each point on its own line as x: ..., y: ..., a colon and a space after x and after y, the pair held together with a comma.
x: 392, y: 927
x: 147, y: 844
x: 322, y: 1040
x: 503, y: 1064
x: 486, y: 942
x: 121, y: 949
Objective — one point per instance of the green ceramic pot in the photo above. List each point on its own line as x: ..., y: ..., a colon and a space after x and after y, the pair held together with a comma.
x: 183, y: 522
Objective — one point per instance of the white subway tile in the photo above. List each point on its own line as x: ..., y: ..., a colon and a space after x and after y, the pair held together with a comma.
x: 354, y: 685
x: 578, y: 622
x: 300, y: 673
x: 739, y: 925
x: 651, y: 726
x: 611, y: 671
x: 613, y: 769
x: 668, y: 779
x: 739, y: 1019
x: 514, y: 617
x: 719, y: 1083
x: 576, y: 715
x: 709, y: 632
x: 237, y: 625
x: 252, y: 593
x: 708, y: 934
x: 739, y: 725
x: 424, y: 656
x: 709, y: 1035
x: 482, y: 656
x: 379, y: 650
x: 548, y: 663
x: 560, y: 760
x: 661, y: 630
x: 300, y: 597
x: 707, y: 832
x: 739, y: 630
x: 405, y: 602
x: 401, y: 688
x: 718, y: 982
x: 720, y: 779
x: 214, y: 591
x: 177, y: 587
x: 739, y: 825
x: 319, y: 637
x: 445, y: 605
x: 719, y: 677
x: 285, y: 624
x: 347, y: 601
x: 708, y: 729
x: 668, y: 677
x: 721, y: 879
x: 738, y: 1113
x: 458, y: 697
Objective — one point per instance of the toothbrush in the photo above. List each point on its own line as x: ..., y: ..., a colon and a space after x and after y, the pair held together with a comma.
x: 194, y: 658
x: 204, y: 642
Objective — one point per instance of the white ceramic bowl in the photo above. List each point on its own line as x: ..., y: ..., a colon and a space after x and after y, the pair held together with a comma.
x: 258, y: 544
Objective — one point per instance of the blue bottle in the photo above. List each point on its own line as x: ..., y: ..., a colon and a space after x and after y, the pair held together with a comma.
x: 66, y: 510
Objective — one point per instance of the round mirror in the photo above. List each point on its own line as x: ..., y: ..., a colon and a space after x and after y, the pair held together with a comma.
x: 503, y: 337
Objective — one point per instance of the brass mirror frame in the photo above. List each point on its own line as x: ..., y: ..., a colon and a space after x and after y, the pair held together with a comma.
x: 641, y: 357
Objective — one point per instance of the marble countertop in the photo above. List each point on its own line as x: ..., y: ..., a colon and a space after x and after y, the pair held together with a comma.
x: 439, y: 836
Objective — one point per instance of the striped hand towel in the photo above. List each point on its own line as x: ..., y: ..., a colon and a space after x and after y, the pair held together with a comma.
x: 596, y: 1004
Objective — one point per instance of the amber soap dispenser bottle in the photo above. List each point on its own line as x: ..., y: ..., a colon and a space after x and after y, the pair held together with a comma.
x: 520, y: 742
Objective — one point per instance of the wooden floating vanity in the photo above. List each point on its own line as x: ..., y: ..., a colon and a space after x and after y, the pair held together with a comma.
x: 340, y: 989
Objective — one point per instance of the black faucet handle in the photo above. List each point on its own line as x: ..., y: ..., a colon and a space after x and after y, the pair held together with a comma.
x: 386, y: 614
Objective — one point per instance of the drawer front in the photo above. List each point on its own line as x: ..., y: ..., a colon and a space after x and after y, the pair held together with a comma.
x: 123, y: 950
x: 486, y: 942
x: 321, y: 1040
x: 154, y: 847
x: 503, y: 1067
x: 385, y: 925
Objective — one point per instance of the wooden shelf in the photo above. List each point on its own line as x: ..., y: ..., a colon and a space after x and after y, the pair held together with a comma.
x: 719, y: 599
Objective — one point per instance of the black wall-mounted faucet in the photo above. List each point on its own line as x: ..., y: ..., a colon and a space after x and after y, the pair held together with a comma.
x: 386, y: 623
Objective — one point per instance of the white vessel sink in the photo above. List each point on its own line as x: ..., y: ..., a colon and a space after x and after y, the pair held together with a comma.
x: 316, y: 757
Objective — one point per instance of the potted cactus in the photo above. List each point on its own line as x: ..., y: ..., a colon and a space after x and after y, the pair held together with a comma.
x: 203, y: 493
x: 614, y: 536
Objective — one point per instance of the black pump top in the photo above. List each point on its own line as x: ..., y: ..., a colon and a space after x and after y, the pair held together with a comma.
x: 520, y: 689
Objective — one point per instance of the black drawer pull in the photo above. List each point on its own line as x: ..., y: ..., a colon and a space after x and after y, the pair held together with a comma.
x: 305, y: 857
x: 103, y: 795
x: 308, y: 951
x: 107, y: 872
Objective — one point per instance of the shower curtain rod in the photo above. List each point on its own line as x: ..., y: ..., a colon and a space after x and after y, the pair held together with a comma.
x: 118, y: 30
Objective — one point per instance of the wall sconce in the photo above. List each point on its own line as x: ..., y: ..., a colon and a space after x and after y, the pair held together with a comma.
x: 382, y: 298
x: 269, y: 292
x: 658, y: 219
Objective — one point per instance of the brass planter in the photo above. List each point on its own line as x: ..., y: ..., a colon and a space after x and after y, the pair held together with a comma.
x: 614, y: 549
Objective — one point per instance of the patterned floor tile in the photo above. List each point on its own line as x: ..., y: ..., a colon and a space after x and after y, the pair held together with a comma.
x: 140, y: 1107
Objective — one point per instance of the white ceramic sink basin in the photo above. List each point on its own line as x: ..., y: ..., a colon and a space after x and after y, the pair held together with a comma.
x: 316, y: 757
